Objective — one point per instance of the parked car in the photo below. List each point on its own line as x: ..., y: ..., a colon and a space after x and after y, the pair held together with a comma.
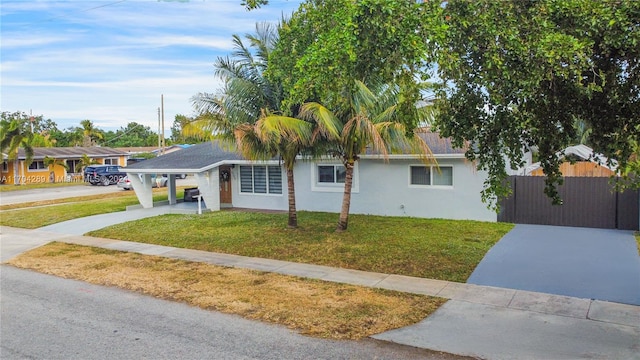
x: 104, y: 175
x: 125, y: 182
x: 89, y: 170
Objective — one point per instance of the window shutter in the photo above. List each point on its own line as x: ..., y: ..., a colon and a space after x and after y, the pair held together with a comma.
x: 260, y: 179
x: 246, y: 179
x: 275, y: 180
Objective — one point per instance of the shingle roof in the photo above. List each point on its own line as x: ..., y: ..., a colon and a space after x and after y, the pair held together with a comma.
x: 203, y: 156
x: 437, y: 144
x: 192, y: 158
x: 71, y: 152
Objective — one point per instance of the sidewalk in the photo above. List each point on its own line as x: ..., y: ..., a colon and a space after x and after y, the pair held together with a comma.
x: 481, y: 321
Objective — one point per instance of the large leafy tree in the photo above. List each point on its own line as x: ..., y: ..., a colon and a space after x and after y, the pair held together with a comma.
x: 178, y: 133
x: 519, y: 74
x: 331, y: 51
x: 134, y: 134
x: 13, y: 136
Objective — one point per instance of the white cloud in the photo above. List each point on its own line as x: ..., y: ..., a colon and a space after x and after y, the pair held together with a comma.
x: 111, y: 64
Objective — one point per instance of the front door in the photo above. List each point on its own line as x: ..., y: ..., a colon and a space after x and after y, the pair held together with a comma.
x: 225, y: 186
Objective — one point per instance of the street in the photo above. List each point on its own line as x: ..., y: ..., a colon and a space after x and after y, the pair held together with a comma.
x: 46, y: 317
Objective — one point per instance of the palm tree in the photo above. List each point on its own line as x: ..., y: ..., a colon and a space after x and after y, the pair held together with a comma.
x: 13, y: 136
x: 248, y: 95
x: 370, y: 122
x: 51, y: 163
x: 85, y: 161
x: 90, y: 133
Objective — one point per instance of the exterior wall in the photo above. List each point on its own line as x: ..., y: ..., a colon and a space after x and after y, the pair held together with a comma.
x: 384, y: 189
x: 6, y: 172
x: 380, y: 189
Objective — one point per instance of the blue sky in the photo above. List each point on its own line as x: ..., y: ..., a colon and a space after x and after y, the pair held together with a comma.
x: 109, y: 61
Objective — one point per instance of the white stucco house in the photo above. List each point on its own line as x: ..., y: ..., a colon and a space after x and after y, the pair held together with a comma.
x: 401, y: 186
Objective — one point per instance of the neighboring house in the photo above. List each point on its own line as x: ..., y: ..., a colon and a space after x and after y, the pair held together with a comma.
x: 17, y: 172
x: 401, y: 186
x: 586, y: 164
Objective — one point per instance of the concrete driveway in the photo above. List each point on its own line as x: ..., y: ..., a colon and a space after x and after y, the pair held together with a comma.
x: 586, y: 263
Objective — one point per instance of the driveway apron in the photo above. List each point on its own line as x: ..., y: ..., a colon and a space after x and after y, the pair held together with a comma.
x: 587, y: 263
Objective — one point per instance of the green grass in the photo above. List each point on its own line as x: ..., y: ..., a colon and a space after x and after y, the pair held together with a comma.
x: 12, y: 187
x: 55, y: 211
x: 638, y: 241
x: 430, y: 248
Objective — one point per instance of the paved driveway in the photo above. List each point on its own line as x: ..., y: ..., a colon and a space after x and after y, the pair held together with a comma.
x: 587, y: 263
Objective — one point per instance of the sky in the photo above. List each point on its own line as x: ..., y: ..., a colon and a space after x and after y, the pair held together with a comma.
x: 110, y: 61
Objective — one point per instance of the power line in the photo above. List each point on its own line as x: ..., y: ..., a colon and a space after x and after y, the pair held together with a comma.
x: 86, y: 10
x: 72, y: 12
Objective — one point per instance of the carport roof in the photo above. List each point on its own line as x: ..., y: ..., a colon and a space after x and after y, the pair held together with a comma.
x: 195, y: 158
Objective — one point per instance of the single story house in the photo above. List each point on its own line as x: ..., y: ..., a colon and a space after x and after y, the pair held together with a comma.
x: 18, y: 172
x: 401, y: 186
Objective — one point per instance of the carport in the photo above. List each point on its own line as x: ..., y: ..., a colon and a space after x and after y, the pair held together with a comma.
x: 203, y: 161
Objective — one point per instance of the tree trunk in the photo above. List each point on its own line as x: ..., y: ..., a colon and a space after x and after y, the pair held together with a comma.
x: 293, y: 214
x: 343, y: 222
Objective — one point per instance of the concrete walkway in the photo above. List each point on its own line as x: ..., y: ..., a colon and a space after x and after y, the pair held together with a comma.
x: 481, y: 321
x: 600, y: 264
x: 84, y: 225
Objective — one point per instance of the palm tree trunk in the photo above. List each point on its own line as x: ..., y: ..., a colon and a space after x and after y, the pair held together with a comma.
x: 343, y: 222
x: 293, y: 214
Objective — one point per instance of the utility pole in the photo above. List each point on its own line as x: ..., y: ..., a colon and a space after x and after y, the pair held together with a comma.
x: 159, y: 141
x: 162, y: 106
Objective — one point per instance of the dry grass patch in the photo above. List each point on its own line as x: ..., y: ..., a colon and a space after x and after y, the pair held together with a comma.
x: 313, y: 307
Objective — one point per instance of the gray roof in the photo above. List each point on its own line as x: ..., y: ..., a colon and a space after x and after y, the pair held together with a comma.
x: 75, y: 152
x: 204, y: 156
x: 192, y: 158
x: 437, y: 144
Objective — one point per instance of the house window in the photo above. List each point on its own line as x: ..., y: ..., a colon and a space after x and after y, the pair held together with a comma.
x: 73, y: 165
x: 431, y: 175
x: 111, y: 161
x: 328, y: 177
x: 5, y: 166
x: 37, y: 165
x: 331, y: 174
x: 259, y: 179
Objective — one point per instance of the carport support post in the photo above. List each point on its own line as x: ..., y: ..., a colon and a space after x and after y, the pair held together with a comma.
x: 171, y: 185
x: 143, y: 189
x: 209, y: 186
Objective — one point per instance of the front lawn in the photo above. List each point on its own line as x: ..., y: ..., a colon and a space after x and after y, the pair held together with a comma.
x: 429, y: 248
x: 42, y: 213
